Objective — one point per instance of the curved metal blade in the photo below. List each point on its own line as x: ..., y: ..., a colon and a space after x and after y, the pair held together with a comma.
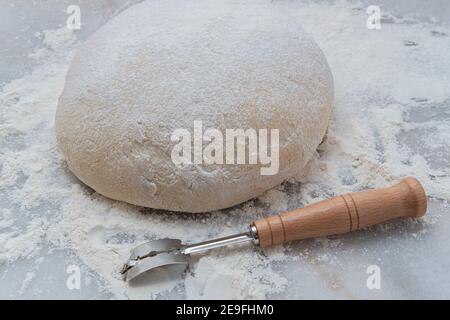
x: 154, y: 254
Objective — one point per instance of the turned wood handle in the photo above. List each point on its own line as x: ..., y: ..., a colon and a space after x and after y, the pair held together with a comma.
x: 344, y: 213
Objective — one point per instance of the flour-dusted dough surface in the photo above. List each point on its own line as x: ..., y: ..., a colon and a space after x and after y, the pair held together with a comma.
x: 162, y: 64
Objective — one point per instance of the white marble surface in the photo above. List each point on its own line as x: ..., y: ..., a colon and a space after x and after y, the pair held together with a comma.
x: 410, y: 269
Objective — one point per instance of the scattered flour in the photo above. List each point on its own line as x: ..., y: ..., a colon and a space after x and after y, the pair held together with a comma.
x: 390, y: 120
x: 29, y: 276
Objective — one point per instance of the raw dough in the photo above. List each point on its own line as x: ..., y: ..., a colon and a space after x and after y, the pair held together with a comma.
x: 163, y: 64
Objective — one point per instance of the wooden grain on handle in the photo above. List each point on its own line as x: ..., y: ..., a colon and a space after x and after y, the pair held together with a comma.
x: 345, y: 213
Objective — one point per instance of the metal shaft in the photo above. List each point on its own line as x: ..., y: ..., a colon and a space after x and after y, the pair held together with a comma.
x: 249, y: 236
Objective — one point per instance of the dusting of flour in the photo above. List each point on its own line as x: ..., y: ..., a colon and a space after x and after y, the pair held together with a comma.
x: 390, y: 120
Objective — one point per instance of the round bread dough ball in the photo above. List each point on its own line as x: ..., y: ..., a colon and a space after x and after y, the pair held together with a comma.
x: 163, y: 64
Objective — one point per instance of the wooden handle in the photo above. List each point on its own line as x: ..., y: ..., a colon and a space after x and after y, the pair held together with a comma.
x: 344, y: 213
